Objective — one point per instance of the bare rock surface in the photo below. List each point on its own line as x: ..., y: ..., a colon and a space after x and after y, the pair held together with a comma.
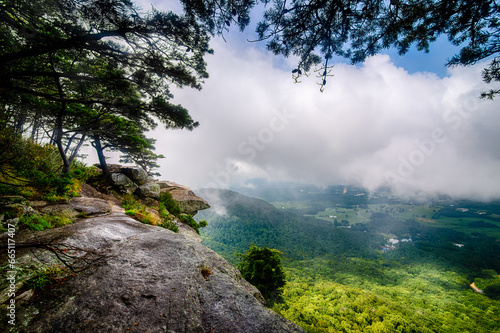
x: 77, y: 206
x: 90, y: 206
x: 147, y: 279
x: 189, y: 202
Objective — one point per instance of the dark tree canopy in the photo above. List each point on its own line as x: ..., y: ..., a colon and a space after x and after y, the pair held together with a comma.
x: 90, y: 67
x: 317, y: 30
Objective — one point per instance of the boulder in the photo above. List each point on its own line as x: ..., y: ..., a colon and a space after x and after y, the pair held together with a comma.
x: 63, y: 209
x: 90, y: 206
x: 134, y: 277
x: 114, y: 167
x: 123, y: 183
x: 88, y: 191
x: 189, y: 202
x: 111, y: 167
x: 76, y: 206
x: 137, y: 174
x: 149, y: 190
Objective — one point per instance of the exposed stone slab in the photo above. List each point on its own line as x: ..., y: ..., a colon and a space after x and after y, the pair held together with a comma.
x: 90, y: 206
x: 152, y: 280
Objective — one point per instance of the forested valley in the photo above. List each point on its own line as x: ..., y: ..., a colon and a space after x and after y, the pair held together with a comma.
x: 369, y: 264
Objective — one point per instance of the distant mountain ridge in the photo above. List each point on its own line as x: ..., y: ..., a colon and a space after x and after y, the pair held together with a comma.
x: 235, y: 221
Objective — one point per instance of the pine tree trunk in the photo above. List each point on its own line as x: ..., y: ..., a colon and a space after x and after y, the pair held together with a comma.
x: 100, y: 155
x: 77, y: 148
x: 58, y: 140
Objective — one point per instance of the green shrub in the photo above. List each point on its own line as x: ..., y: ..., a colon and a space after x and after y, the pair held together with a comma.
x: 59, y: 221
x: 147, y: 219
x: 167, y: 209
x: 82, y: 172
x: 168, y: 224
x: 189, y: 220
x: 130, y: 212
x: 138, y: 211
x: 34, y: 222
x: 166, y: 218
x: 29, y: 168
x: 493, y: 290
x: 129, y: 202
x: 169, y: 203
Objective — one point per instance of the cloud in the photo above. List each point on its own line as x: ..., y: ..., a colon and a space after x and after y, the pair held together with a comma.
x: 375, y: 125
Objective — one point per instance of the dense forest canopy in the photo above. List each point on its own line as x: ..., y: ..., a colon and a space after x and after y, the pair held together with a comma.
x: 352, y: 278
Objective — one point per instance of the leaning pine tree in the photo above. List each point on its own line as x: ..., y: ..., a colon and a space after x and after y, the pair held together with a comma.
x: 91, y: 62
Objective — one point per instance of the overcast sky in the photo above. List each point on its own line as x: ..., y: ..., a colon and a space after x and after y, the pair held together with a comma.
x: 408, y: 123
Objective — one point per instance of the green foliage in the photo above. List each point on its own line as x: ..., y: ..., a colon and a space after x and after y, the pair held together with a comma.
x: 167, y: 218
x: 134, y: 208
x: 169, y: 203
x: 357, y: 29
x: 82, y: 172
x: 262, y: 267
x: 142, y: 156
x: 34, y: 222
x: 44, y: 277
x: 138, y: 211
x: 129, y: 202
x: 249, y: 220
x: 189, y: 220
x: 170, y: 225
x: 328, y: 296
x: 489, y: 283
x: 340, y: 281
x: 60, y: 77
x: 492, y: 290
x: 29, y: 168
x: 42, y: 222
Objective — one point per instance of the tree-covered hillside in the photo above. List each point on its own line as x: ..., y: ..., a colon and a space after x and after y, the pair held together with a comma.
x: 358, y: 278
x: 237, y: 221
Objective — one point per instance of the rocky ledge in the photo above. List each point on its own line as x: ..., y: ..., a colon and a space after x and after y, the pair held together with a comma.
x: 133, y: 179
x: 119, y: 275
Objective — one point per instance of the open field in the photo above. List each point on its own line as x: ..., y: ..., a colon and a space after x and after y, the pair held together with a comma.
x: 421, y: 213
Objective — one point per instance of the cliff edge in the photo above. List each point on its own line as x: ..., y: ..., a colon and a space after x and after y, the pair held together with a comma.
x: 120, y: 275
